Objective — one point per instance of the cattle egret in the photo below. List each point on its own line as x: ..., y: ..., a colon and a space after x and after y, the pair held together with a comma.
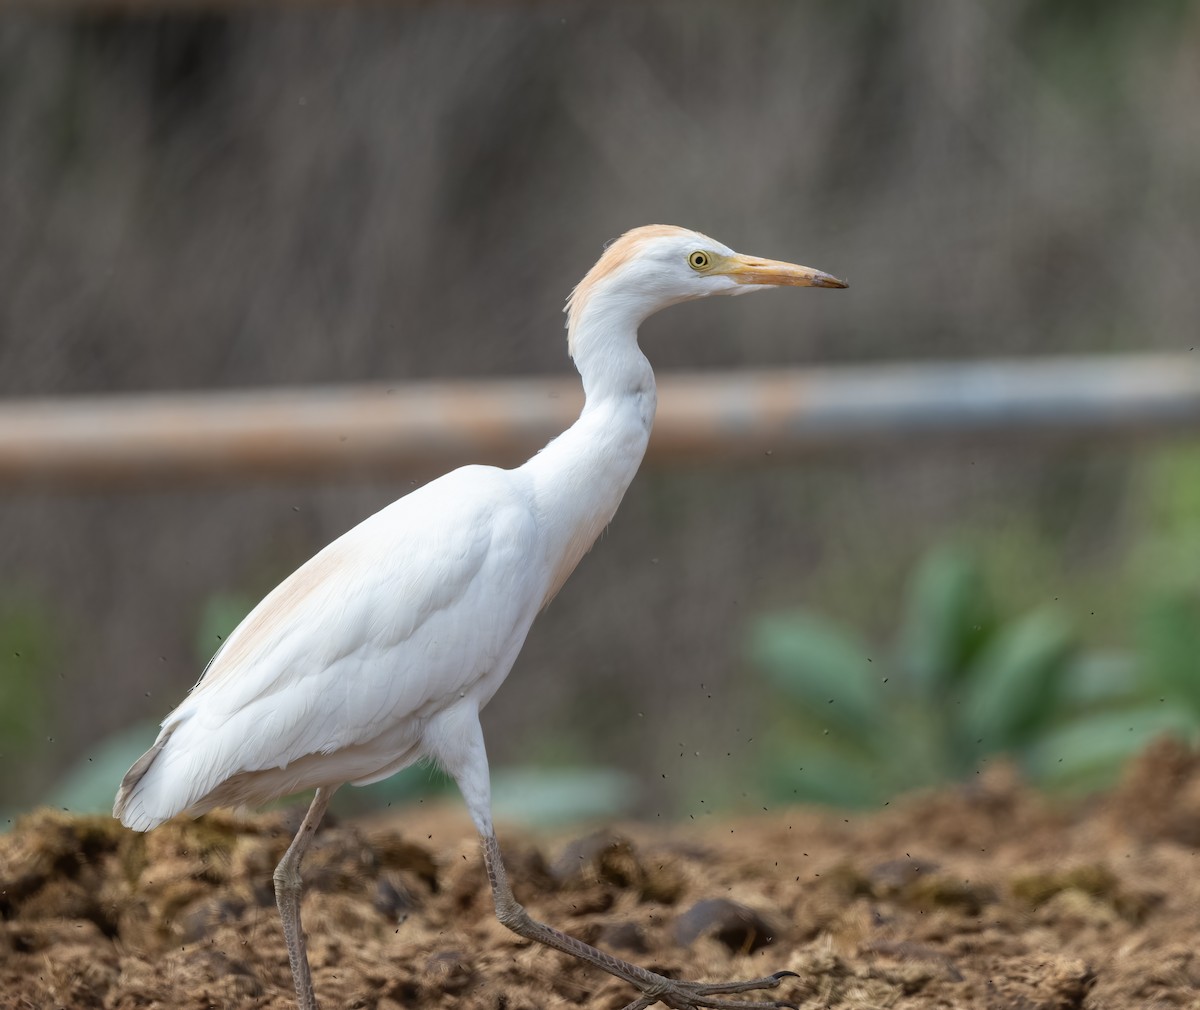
x: 381, y: 650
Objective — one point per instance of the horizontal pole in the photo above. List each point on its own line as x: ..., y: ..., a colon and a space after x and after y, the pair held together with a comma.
x: 424, y: 428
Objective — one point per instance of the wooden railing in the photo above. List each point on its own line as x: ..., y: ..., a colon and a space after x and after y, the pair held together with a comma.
x: 425, y: 428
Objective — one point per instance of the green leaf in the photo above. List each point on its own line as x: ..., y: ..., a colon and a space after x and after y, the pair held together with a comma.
x: 1102, y: 680
x: 807, y: 772
x: 1172, y: 479
x: 27, y: 658
x: 1088, y: 752
x: 821, y: 668
x: 1170, y: 641
x: 949, y: 616
x: 1015, y: 685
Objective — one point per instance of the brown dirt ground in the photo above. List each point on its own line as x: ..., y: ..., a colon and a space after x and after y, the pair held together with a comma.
x: 980, y: 896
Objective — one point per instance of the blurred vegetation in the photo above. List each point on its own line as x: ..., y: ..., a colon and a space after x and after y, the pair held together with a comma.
x: 964, y: 683
x: 223, y: 198
x: 963, y: 680
x: 29, y: 663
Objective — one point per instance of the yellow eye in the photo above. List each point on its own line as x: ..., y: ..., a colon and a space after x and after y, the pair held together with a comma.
x: 699, y: 260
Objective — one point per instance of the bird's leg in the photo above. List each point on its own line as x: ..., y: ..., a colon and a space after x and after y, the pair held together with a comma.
x: 287, y: 896
x: 462, y: 754
x: 655, y: 988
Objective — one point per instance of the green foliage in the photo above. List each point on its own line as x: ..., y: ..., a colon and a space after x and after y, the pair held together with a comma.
x: 1012, y: 691
x: 1097, y: 744
x: 1082, y: 44
x: 90, y: 785
x: 26, y: 660
x: 819, y: 667
x: 949, y: 617
x: 1167, y: 556
x: 1169, y: 637
x: 551, y: 797
x: 965, y: 683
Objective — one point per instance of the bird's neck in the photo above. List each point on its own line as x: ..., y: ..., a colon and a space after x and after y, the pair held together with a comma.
x: 580, y: 478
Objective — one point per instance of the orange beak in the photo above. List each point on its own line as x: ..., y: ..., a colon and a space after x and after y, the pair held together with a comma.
x: 752, y: 270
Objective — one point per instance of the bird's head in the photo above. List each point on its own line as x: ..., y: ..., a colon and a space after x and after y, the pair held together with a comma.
x: 657, y: 265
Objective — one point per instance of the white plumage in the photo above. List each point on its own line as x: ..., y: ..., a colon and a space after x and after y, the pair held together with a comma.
x: 382, y: 649
x: 333, y: 676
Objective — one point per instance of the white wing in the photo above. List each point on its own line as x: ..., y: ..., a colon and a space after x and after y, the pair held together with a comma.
x: 422, y: 605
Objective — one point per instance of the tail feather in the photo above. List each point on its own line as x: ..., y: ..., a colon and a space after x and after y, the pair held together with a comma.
x: 128, y: 807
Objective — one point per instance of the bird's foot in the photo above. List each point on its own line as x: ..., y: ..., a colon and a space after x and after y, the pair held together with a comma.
x: 706, y: 995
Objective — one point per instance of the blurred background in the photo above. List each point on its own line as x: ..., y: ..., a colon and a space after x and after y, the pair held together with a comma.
x: 250, y: 197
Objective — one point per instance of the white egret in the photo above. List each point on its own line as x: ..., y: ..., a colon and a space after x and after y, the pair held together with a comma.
x: 381, y: 650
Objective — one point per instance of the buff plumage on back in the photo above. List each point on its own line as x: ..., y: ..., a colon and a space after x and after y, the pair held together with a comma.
x: 618, y: 252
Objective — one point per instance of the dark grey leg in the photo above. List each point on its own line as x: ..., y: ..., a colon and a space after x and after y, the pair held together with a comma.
x: 287, y: 896
x: 655, y: 988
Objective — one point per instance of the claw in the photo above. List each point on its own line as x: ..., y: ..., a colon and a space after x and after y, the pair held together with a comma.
x: 785, y: 1005
x: 786, y: 974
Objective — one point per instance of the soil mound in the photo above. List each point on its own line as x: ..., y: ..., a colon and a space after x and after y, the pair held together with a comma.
x: 985, y: 895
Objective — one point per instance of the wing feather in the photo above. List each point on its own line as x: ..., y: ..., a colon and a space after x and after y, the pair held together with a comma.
x: 407, y: 613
